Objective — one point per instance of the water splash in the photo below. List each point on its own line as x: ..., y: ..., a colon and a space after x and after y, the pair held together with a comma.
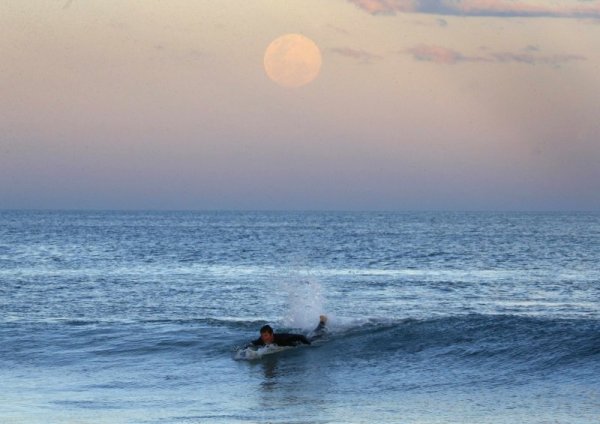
x: 304, y: 303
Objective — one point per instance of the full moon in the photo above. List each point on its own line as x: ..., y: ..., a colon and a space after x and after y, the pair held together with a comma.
x: 292, y: 60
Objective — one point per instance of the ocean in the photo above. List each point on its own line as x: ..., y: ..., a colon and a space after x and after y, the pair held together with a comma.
x: 136, y: 317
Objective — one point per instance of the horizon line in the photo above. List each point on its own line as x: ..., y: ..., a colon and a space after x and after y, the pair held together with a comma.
x: 283, y: 210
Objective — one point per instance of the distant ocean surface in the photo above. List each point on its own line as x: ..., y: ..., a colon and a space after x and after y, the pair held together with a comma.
x: 136, y: 317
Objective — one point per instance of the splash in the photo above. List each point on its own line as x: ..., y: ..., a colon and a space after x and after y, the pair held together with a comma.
x: 304, y: 303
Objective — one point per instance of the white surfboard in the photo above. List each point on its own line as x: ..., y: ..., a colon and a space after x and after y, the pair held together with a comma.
x: 252, y: 353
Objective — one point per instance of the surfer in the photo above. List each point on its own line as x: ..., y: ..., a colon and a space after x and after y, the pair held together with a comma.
x: 267, y: 336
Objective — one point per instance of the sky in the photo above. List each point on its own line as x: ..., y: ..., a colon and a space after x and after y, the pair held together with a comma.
x: 418, y: 105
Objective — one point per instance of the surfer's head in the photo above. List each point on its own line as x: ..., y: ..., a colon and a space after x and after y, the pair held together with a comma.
x: 266, y: 334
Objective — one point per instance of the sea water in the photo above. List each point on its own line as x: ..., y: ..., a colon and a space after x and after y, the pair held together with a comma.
x: 136, y: 317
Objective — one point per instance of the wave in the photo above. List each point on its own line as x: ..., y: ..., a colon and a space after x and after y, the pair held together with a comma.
x: 534, y: 343
x: 496, y: 342
x: 501, y: 348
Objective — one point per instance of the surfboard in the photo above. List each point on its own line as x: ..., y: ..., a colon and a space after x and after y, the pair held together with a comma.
x: 252, y: 353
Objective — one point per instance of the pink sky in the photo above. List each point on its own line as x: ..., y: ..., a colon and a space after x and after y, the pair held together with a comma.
x: 456, y: 104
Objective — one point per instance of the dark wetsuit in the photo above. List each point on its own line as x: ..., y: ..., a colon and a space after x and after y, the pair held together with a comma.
x: 290, y: 339
x: 284, y: 339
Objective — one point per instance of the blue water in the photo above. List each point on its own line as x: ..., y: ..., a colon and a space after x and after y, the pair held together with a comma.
x: 135, y: 317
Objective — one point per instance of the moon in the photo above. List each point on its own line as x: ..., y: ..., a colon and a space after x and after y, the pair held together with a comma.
x: 292, y: 60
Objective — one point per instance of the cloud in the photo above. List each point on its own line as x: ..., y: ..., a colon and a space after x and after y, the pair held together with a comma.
x: 360, y: 55
x: 565, y: 9
x: 529, y: 56
x: 533, y: 59
x: 507, y: 8
x: 430, y: 23
x: 442, y: 55
x: 387, y: 7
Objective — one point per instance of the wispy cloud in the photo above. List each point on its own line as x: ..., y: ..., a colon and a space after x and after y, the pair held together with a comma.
x: 387, y: 7
x: 533, y: 59
x: 360, y: 55
x: 442, y: 55
x: 431, y: 23
x: 529, y: 56
x: 507, y: 8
